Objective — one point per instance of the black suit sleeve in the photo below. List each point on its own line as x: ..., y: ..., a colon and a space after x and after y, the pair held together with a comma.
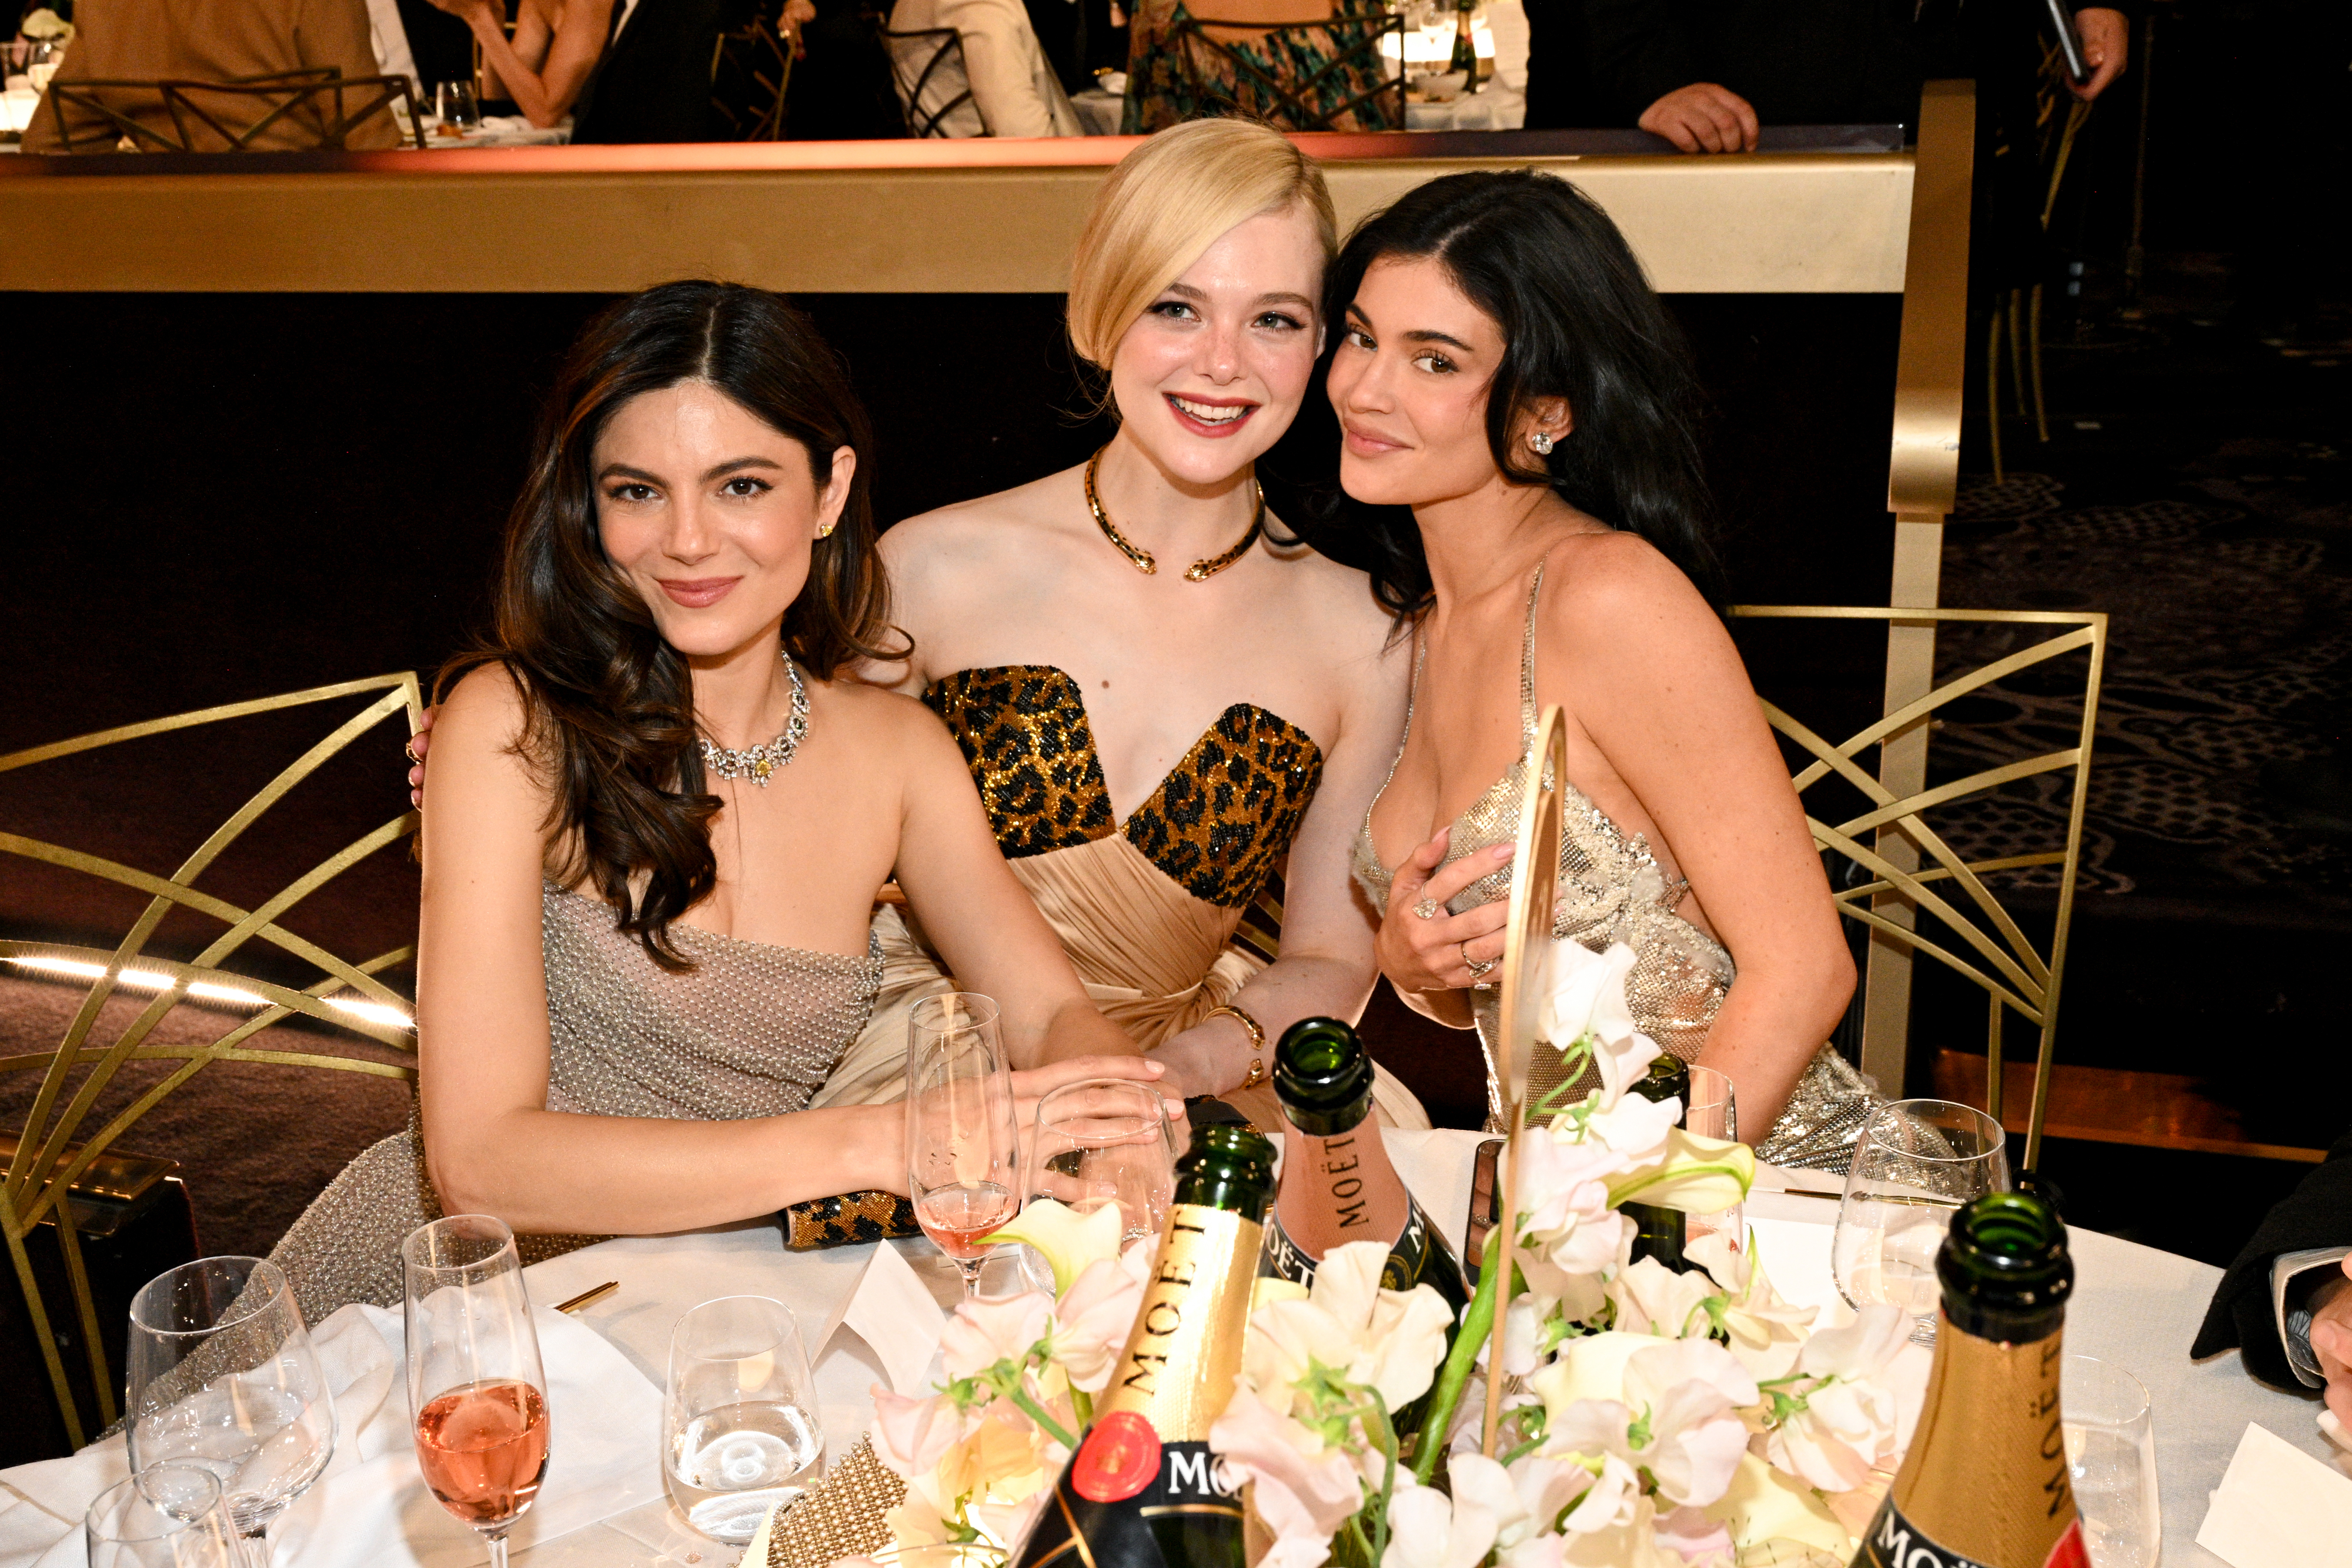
x: 2316, y: 1214
x: 1640, y: 51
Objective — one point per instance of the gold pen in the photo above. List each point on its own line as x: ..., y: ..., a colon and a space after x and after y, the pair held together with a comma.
x: 588, y: 1298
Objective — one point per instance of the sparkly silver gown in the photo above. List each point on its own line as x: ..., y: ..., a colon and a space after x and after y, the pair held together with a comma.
x: 751, y: 1031
x: 1612, y: 889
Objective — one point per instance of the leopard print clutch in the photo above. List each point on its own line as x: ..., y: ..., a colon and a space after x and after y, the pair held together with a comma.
x: 846, y: 1219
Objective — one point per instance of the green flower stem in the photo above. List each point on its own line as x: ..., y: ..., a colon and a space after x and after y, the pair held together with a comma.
x: 1037, y: 1412
x: 1083, y: 1405
x: 1477, y: 1323
x: 1618, y: 1192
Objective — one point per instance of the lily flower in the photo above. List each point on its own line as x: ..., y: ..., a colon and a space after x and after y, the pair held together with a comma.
x: 1071, y: 1241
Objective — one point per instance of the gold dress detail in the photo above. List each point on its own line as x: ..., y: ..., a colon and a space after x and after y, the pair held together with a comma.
x: 1613, y: 889
x: 751, y: 1031
x: 1147, y: 908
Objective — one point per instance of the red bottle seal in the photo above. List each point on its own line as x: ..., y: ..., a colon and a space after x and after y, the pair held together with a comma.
x: 1118, y: 1458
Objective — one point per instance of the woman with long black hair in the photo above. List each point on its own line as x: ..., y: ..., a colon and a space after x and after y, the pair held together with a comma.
x: 658, y: 817
x: 1505, y: 373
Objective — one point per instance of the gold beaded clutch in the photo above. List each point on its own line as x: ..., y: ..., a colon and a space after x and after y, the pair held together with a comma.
x: 847, y: 1219
x: 841, y: 1518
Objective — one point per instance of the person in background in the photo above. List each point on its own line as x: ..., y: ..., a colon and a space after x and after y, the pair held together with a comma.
x: 1014, y: 92
x: 2287, y: 1302
x: 215, y: 40
x: 556, y: 48
x: 1706, y: 75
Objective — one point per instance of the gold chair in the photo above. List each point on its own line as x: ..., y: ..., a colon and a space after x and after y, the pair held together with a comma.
x: 276, y: 95
x: 55, y: 1148
x: 1989, y: 947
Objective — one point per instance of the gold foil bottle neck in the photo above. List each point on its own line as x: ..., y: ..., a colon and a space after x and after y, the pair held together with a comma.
x: 1178, y: 1369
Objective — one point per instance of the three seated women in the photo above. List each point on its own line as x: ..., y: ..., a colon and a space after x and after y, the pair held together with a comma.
x: 654, y: 990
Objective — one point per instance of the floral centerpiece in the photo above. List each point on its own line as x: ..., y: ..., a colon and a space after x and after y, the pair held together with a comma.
x: 1647, y: 1418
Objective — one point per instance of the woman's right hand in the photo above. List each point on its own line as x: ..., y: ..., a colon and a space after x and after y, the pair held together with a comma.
x: 417, y: 746
x: 1435, y: 951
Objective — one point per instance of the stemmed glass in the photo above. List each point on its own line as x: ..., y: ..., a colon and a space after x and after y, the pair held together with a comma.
x: 166, y: 1516
x: 475, y: 1393
x: 1711, y: 1114
x: 222, y: 1376
x: 1916, y: 1163
x: 2111, y: 1453
x: 738, y: 1419
x: 1106, y: 1140
x: 963, y: 1149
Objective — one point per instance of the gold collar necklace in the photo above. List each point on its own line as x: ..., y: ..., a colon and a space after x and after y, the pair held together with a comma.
x: 1200, y: 571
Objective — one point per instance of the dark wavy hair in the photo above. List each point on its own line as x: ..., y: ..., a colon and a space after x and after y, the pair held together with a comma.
x: 1578, y: 322
x: 608, y: 703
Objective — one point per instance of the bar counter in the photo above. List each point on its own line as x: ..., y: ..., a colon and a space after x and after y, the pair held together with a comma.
x: 916, y: 217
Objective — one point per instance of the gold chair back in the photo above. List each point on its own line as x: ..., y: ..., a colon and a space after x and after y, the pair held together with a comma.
x: 218, y: 107
x: 1988, y: 946
x: 57, y: 1146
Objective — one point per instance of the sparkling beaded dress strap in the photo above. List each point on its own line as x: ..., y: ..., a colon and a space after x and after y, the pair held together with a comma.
x: 1527, y: 717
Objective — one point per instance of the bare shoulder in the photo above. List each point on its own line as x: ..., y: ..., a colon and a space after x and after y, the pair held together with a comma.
x: 973, y: 533
x: 485, y: 710
x: 1598, y: 586
x: 880, y: 717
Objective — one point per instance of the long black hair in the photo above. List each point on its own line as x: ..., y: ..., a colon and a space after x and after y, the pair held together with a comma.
x: 1578, y: 322
x: 609, y: 703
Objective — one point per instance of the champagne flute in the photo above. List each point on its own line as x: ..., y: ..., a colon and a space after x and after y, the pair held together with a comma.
x: 1106, y: 1141
x: 476, y: 1392
x: 1916, y: 1163
x: 221, y: 1374
x: 738, y: 1418
x: 2111, y: 1453
x: 1711, y: 1114
x: 166, y: 1516
x: 963, y: 1149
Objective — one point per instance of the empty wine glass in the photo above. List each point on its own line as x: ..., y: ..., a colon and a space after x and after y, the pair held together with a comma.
x: 739, y: 1423
x: 166, y: 1516
x: 455, y: 105
x: 475, y: 1393
x: 963, y: 1150
x: 2111, y: 1455
x: 1914, y: 1163
x: 1106, y: 1140
x: 1710, y: 1114
x: 221, y: 1374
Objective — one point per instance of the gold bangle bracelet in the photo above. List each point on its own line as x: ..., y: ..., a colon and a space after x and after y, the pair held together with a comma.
x: 1257, y: 1040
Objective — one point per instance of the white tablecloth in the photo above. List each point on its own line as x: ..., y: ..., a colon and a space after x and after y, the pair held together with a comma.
x: 2133, y: 1305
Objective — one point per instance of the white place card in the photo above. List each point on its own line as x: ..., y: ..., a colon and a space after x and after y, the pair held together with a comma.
x: 2278, y: 1505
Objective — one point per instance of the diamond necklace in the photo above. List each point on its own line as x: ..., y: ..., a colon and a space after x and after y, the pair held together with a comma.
x: 759, y: 763
x: 1148, y: 564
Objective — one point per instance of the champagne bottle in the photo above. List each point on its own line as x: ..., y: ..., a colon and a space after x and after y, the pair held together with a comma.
x: 1658, y: 1231
x: 1465, y: 47
x: 1985, y: 1484
x: 1143, y: 1490
x: 1337, y: 1185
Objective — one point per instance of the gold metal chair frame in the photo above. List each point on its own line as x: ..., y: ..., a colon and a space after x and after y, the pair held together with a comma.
x: 2013, y: 973
x: 1284, y: 102
x: 54, y: 1151
x: 296, y: 88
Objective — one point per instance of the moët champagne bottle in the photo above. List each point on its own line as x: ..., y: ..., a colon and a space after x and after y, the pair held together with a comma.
x: 1143, y: 1490
x: 1658, y: 1231
x: 1986, y: 1484
x: 1466, y: 46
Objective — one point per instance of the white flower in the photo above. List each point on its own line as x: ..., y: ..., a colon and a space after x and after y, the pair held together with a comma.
x: 983, y: 1332
x: 1695, y: 1174
x: 1652, y: 1299
x: 1392, y: 1341
x: 1766, y: 1331
x: 1584, y: 998
x: 1695, y: 1538
x: 1677, y: 1416
x: 1305, y: 1490
x: 1071, y: 1241
x: 1763, y: 1507
x: 1635, y: 1127
x: 1847, y: 1428
x: 1092, y: 1320
x: 1429, y: 1529
x: 912, y: 1436
x: 1566, y: 1216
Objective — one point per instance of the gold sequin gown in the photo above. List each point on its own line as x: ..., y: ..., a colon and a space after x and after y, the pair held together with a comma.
x: 1613, y: 889
x: 752, y: 1030
x: 1147, y: 909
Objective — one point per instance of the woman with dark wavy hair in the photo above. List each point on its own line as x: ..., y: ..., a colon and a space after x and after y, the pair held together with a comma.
x: 657, y: 822
x: 1506, y: 373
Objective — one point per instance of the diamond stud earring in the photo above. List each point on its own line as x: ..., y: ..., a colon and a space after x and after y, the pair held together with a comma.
x: 1541, y: 441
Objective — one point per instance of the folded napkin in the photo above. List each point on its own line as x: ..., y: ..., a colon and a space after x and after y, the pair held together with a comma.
x: 892, y: 1311
x: 371, y: 1506
x: 2277, y: 1505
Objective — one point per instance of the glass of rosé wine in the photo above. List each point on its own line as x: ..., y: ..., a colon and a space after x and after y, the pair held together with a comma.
x: 476, y: 1396
x: 963, y: 1149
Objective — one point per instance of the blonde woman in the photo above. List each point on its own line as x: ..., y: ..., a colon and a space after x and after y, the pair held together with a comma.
x: 1163, y: 702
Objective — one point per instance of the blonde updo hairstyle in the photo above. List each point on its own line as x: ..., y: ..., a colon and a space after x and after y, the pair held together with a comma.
x: 1169, y: 201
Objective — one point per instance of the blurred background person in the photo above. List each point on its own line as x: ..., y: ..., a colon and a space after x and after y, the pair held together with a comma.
x: 2286, y: 1304
x: 213, y: 41
x: 1015, y: 90
x: 548, y: 60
